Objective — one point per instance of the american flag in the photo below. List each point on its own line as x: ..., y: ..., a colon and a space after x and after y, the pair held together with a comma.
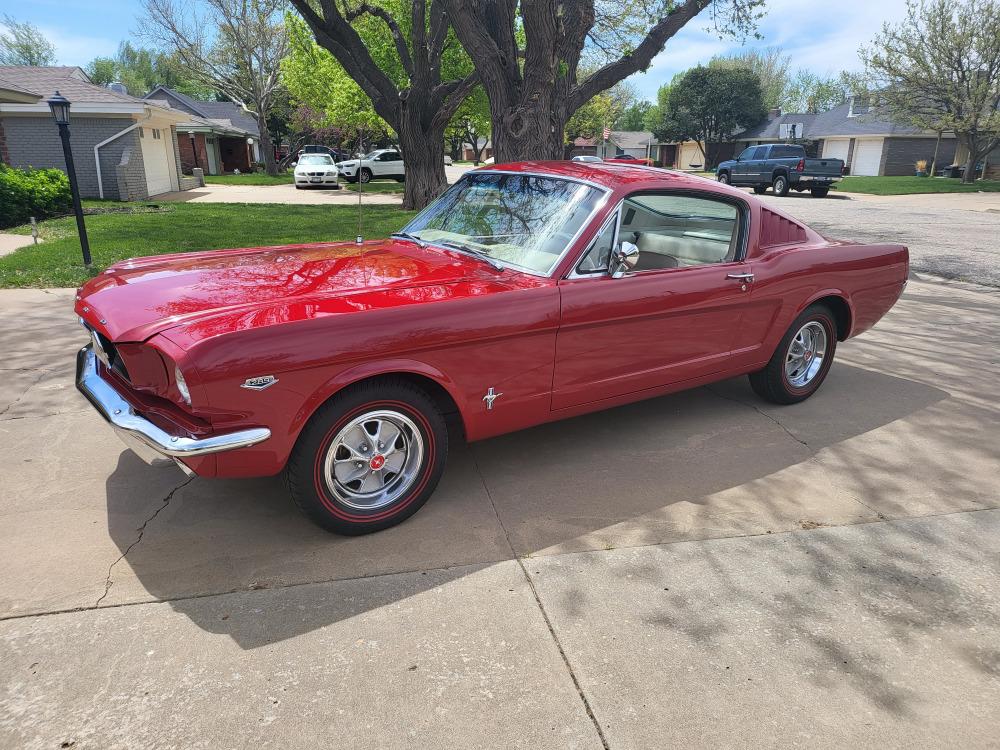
x: 607, y: 132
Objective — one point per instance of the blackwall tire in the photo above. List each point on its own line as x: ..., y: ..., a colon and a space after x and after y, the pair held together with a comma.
x: 369, y: 458
x: 365, y: 175
x: 760, y: 189
x: 780, y: 185
x: 819, y: 192
x: 802, y: 360
x: 723, y: 178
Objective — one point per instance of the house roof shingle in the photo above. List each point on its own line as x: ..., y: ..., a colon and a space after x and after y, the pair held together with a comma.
x: 830, y: 124
x: 71, y: 82
x: 221, y: 112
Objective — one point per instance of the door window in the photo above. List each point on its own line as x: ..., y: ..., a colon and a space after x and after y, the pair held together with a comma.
x: 747, y: 153
x: 759, y: 153
x: 671, y: 231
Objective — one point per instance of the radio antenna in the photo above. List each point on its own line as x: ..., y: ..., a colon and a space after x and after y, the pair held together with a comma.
x: 361, y: 149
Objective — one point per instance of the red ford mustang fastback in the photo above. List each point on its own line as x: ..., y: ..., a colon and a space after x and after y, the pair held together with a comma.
x: 526, y: 293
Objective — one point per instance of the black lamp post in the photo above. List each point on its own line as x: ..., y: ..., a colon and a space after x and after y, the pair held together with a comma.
x: 194, y: 149
x: 59, y: 105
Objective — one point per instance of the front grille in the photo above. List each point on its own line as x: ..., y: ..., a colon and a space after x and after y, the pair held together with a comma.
x: 317, y: 174
x: 114, y: 358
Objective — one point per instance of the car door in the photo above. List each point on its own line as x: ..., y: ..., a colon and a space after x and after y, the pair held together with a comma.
x: 738, y: 174
x: 675, y: 317
x: 753, y: 171
x: 390, y: 164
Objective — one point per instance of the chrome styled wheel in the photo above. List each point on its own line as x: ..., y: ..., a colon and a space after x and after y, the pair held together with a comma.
x: 805, y: 355
x: 374, y: 459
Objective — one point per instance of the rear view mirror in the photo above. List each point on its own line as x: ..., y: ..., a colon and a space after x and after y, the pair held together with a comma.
x: 623, y: 259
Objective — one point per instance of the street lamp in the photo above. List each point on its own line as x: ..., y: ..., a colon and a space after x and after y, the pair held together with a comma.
x: 194, y: 149
x: 59, y: 105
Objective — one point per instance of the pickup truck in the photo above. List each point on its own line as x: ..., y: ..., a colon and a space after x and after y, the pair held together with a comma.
x: 783, y: 166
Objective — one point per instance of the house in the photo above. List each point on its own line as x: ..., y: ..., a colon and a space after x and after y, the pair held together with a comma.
x: 123, y: 147
x: 868, y: 141
x: 485, y: 150
x: 219, y: 137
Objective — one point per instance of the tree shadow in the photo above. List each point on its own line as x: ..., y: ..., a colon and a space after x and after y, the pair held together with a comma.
x: 609, y: 478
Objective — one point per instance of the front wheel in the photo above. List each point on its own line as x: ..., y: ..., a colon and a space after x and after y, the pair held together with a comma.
x: 723, y: 178
x: 369, y: 458
x: 802, y: 359
x: 365, y: 175
x: 780, y: 185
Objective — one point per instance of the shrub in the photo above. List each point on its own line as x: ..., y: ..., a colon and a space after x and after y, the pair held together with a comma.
x: 24, y: 193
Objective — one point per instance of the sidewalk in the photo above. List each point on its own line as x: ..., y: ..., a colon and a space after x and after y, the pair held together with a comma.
x: 11, y: 242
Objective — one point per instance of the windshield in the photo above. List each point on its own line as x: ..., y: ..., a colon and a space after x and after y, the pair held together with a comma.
x: 373, y: 154
x: 315, y: 159
x: 522, y: 220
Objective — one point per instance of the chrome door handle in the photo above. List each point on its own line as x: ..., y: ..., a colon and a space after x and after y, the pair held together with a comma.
x: 740, y: 276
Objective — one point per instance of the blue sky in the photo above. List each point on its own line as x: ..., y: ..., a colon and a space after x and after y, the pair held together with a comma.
x: 821, y: 36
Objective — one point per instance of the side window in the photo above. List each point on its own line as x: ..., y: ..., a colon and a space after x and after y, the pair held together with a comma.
x: 596, y: 259
x: 747, y: 153
x: 676, y: 231
x: 759, y: 153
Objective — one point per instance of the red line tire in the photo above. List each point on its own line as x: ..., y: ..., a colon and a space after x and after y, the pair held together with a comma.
x: 793, y: 374
x: 313, y: 472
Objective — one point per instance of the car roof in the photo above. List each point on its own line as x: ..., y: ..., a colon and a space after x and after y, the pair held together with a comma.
x: 610, y: 175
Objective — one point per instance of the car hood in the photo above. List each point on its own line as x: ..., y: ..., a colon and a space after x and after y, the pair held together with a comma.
x: 138, y: 298
x: 349, y: 163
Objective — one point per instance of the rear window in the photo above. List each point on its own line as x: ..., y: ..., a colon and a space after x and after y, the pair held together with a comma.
x: 784, y: 152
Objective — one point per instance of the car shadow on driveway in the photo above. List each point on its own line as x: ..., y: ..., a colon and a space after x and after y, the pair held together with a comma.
x: 712, y: 462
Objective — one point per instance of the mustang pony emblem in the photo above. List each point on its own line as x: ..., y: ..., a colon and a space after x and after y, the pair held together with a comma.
x: 259, y: 383
x: 490, y: 397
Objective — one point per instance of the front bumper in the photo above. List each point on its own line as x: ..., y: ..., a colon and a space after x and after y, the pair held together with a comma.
x: 144, y: 438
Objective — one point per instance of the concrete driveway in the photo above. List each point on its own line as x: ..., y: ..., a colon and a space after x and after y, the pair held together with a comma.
x: 702, y: 569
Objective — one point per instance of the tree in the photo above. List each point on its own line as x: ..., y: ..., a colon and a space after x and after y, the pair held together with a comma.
x: 530, y: 103
x: 24, y: 44
x: 633, y: 117
x: 770, y: 65
x: 472, y: 121
x: 141, y: 70
x: 939, y: 69
x: 234, y: 46
x: 711, y: 105
x: 808, y: 92
x: 419, y: 85
x: 605, y: 109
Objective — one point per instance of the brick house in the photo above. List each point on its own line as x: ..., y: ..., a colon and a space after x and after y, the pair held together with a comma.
x: 123, y: 147
x: 868, y: 142
x: 218, y: 137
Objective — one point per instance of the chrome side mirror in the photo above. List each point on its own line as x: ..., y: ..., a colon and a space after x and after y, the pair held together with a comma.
x: 623, y: 259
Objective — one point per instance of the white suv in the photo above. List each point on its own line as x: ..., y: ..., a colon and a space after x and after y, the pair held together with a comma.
x: 382, y: 162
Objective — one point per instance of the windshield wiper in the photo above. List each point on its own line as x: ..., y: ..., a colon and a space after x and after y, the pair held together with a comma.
x: 410, y: 237
x: 472, y: 251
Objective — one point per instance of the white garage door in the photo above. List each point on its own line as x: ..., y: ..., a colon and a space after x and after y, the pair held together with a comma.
x: 867, y: 156
x: 836, y: 149
x: 157, y: 158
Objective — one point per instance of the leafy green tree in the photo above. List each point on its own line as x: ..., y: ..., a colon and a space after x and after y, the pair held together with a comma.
x: 141, y: 70
x: 633, y: 117
x: 24, y: 44
x: 710, y: 106
x: 939, y: 69
x: 808, y: 92
x: 472, y: 123
x: 531, y: 103
x: 404, y: 59
x: 770, y: 65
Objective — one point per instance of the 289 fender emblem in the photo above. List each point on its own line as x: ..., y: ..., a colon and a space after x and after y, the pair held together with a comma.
x: 259, y: 383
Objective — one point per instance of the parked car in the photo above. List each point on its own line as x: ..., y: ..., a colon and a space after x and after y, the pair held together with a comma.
x: 315, y: 170
x: 318, y: 149
x: 526, y: 293
x: 587, y: 159
x: 448, y: 161
x: 382, y: 162
x: 629, y: 159
x: 782, y: 166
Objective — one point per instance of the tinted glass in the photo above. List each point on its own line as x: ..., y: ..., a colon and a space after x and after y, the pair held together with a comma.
x: 747, y: 153
x: 785, y: 152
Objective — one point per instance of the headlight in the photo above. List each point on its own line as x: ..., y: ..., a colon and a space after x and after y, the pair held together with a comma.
x: 182, y: 387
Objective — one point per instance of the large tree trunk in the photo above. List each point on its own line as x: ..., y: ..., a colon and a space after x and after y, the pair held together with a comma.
x: 937, y: 148
x: 266, y: 146
x: 423, y: 155
x: 970, y: 165
x: 530, y: 130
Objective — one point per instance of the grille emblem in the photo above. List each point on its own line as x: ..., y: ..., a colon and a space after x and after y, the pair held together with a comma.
x: 259, y: 383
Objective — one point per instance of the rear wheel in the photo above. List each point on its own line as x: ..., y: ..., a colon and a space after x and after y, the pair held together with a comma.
x: 723, y: 177
x: 780, y: 185
x: 369, y: 458
x: 802, y: 359
x: 819, y: 192
x: 760, y: 189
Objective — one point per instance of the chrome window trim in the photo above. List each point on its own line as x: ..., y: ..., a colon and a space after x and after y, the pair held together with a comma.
x: 741, y: 251
x: 616, y: 216
x: 598, y: 206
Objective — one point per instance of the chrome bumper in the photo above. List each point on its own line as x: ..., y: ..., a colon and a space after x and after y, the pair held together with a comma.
x: 143, y: 437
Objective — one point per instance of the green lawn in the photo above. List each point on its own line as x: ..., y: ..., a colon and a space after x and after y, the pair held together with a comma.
x: 253, y: 178
x: 912, y: 185
x: 125, y: 230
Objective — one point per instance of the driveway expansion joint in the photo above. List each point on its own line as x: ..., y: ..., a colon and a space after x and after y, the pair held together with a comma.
x: 541, y: 607
x: 108, y: 583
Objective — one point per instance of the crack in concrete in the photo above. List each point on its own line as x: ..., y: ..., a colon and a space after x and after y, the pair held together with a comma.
x: 764, y: 414
x: 541, y: 607
x: 108, y: 583
x: 24, y: 393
